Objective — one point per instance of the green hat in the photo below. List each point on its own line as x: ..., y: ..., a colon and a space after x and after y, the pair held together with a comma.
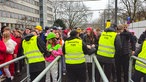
x: 51, y: 35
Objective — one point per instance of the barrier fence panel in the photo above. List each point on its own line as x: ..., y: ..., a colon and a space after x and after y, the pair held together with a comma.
x: 40, y: 76
x: 103, y: 76
x: 15, y: 60
x: 60, y: 72
x: 131, y: 65
x: 93, y: 71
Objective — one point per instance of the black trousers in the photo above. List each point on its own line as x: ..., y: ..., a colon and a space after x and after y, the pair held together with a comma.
x: 33, y: 75
x: 137, y: 76
x: 122, y: 63
x: 76, y: 73
x: 107, y: 67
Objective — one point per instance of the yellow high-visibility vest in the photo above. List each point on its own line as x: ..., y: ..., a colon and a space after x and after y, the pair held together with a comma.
x: 106, y: 45
x: 74, y: 52
x: 139, y: 66
x: 31, y: 50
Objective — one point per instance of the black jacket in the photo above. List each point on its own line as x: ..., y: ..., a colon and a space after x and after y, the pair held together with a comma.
x: 35, y: 67
x: 128, y: 42
x: 142, y: 37
x: 117, y: 45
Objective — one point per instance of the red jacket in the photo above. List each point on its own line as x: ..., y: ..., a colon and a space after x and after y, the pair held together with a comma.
x: 2, y: 50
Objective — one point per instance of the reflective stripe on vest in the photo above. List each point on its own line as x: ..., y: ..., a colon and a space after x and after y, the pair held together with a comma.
x: 74, y: 53
x: 139, y: 66
x: 32, y: 51
x: 106, y: 46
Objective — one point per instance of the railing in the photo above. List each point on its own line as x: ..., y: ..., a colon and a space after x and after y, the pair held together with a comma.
x: 103, y: 76
x: 17, y: 59
x: 43, y: 73
x: 131, y: 65
x: 95, y: 61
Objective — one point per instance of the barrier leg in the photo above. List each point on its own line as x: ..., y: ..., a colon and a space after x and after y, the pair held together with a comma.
x: 60, y: 71
x: 93, y: 70
x: 130, y: 69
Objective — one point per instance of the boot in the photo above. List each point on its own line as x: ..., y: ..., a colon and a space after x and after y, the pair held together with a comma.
x: 8, y: 80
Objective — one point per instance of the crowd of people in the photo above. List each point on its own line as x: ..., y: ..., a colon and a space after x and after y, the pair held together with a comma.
x: 112, y: 46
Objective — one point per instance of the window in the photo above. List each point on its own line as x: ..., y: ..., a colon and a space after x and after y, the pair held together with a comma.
x: 12, y: 15
x: 15, y: 16
x: 0, y: 13
x: 2, y: 1
x: 8, y: 14
x: 36, y: 3
x: 20, y: 16
x: 3, y: 14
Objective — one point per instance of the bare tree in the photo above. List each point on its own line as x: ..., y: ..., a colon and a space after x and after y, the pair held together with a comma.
x: 25, y: 21
x: 74, y: 12
x: 131, y: 7
x: 141, y: 14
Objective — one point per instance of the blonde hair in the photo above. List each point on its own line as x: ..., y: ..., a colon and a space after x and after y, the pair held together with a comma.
x: 120, y: 27
x: 125, y: 25
x: 98, y: 29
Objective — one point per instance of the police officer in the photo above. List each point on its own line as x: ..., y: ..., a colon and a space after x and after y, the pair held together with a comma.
x: 74, y: 50
x: 35, y: 51
x: 140, y: 68
x: 109, y: 44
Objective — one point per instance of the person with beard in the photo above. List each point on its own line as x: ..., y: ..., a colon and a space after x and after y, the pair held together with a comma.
x: 128, y: 47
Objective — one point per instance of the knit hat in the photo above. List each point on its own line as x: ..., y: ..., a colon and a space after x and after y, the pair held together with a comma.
x: 51, y: 35
x: 89, y: 28
x: 79, y: 30
x: 38, y: 27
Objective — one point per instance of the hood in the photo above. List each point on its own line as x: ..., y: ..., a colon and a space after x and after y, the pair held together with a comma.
x: 144, y: 32
x: 110, y: 29
x: 28, y: 37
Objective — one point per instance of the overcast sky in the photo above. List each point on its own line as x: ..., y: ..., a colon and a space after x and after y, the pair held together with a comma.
x: 95, y: 5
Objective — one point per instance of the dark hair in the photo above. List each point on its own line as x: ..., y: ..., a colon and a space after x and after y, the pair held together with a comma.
x: 73, y: 33
x: 33, y: 31
x: 2, y: 29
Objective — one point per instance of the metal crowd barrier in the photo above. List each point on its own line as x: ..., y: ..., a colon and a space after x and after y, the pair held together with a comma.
x: 103, y: 76
x: 131, y: 65
x: 41, y: 75
x: 17, y: 59
x: 94, y: 61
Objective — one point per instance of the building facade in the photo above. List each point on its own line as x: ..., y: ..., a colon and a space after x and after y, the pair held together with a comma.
x: 46, y: 13
x: 23, y: 13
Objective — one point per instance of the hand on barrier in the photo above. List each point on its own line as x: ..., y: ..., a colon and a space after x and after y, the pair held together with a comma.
x: 133, y: 52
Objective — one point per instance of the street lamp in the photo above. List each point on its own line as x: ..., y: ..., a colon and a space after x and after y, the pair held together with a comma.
x: 116, y: 8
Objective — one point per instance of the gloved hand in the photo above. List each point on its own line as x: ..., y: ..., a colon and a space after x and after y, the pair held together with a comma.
x: 88, y: 46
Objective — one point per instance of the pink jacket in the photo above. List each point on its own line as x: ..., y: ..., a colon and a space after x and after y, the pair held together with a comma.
x: 54, y: 54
